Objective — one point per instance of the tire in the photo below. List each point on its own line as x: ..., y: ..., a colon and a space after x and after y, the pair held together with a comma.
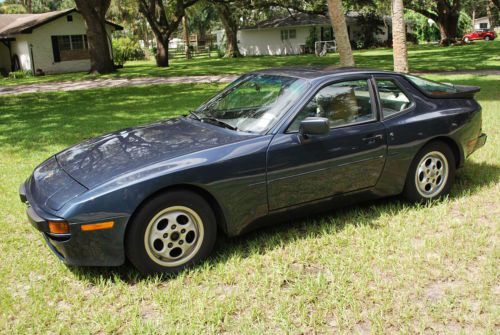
x: 467, y: 40
x: 431, y: 173
x: 171, y: 232
x: 487, y: 38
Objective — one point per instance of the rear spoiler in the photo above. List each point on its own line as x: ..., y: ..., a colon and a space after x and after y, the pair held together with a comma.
x: 463, y: 92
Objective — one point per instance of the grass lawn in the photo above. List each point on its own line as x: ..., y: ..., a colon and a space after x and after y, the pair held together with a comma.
x: 384, y: 266
x: 479, y: 55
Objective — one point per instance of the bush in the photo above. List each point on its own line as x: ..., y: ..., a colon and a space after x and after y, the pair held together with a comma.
x: 422, y: 29
x: 20, y: 74
x: 126, y: 49
x: 312, y: 39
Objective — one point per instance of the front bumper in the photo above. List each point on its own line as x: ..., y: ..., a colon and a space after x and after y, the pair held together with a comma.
x: 81, y: 248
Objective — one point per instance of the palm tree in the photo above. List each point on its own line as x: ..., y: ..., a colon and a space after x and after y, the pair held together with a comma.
x: 337, y: 16
x: 399, y: 51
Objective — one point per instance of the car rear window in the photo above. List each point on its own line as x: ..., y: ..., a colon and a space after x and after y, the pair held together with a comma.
x: 432, y: 87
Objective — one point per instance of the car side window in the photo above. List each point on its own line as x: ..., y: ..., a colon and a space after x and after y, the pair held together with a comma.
x: 342, y: 103
x: 392, y: 98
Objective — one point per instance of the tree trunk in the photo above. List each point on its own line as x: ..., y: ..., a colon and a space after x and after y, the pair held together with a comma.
x: 93, y: 12
x: 187, y: 49
x: 399, y: 50
x: 231, y: 30
x: 445, y: 13
x: 492, y: 13
x: 447, y: 20
x: 448, y: 29
x: 155, y: 13
x: 473, y: 18
x: 337, y: 17
x: 162, y: 51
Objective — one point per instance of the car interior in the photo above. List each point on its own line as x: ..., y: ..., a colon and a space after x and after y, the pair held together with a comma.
x: 341, y: 103
x: 392, y: 98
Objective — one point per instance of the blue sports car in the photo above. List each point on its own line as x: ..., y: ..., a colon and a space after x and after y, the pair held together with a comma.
x: 273, y: 144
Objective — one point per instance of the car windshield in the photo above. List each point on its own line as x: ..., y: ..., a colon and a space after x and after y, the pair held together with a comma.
x: 253, y: 103
x: 432, y: 87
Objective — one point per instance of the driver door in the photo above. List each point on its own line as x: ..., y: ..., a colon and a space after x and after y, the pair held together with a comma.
x: 349, y: 158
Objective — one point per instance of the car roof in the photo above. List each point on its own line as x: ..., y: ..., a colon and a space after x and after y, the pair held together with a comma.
x: 313, y: 72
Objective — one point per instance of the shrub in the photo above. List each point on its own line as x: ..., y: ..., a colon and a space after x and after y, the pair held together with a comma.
x: 126, y: 49
x: 20, y: 74
x: 312, y: 39
x: 423, y: 30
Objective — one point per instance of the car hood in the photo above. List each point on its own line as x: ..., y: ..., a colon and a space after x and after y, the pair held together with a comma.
x: 98, y: 160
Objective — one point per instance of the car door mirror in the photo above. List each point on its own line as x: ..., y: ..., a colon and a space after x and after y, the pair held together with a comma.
x: 314, y: 126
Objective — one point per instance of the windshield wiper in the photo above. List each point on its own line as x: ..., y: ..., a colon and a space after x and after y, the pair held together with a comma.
x: 196, y: 116
x: 212, y: 119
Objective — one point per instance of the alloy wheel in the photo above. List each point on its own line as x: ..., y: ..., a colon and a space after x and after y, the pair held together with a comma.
x: 431, y: 174
x: 174, y: 236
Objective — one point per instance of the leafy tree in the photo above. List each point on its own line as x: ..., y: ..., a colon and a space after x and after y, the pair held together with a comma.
x: 164, y: 17
x: 202, y: 18
x: 34, y: 6
x: 424, y: 31
x: 94, y: 14
x: 229, y: 19
x: 445, y: 13
x: 492, y: 10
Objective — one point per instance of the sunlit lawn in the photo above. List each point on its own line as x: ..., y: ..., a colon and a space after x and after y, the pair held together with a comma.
x: 384, y: 266
x: 479, y: 55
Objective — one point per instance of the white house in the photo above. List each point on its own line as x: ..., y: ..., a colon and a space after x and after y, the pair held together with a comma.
x: 483, y: 23
x: 52, y: 42
x: 288, y: 35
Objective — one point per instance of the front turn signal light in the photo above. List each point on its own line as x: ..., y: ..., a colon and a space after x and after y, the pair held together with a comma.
x: 98, y: 226
x: 58, y: 227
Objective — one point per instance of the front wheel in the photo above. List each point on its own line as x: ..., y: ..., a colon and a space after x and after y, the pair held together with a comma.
x: 172, y: 231
x: 431, y: 173
x: 467, y: 40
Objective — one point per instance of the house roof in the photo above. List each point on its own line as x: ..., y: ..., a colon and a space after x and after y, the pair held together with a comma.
x: 13, y: 24
x: 298, y: 19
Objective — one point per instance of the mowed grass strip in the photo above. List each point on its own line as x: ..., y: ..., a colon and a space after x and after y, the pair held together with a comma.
x: 422, y: 58
x: 384, y: 266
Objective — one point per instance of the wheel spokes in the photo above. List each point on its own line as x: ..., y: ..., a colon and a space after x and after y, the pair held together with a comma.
x: 431, y: 174
x: 173, y: 235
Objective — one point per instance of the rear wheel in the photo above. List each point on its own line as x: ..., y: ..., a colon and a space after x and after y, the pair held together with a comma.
x: 170, y: 232
x: 431, y: 173
x: 487, y: 38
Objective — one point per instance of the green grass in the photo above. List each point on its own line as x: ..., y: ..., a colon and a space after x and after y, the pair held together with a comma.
x: 383, y: 266
x: 477, y: 56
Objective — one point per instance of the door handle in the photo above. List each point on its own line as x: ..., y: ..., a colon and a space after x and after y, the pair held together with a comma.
x: 370, y: 139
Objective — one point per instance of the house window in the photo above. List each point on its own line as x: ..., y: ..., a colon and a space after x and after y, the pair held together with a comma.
x: 69, y: 18
x: 70, y: 47
x: 284, y: 34
x: 287, y: 34
x: 483, y: 25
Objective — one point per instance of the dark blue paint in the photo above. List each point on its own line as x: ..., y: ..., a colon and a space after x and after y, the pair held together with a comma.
x: 251, y: 178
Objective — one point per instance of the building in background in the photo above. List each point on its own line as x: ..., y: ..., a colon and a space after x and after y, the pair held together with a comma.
x: 52, y: 42
x: 290, y: 35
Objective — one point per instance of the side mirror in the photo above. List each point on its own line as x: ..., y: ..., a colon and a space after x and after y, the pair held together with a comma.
x: 314, y: 126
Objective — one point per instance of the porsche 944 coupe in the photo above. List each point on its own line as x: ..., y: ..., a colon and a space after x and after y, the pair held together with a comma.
x: 271, y: 145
